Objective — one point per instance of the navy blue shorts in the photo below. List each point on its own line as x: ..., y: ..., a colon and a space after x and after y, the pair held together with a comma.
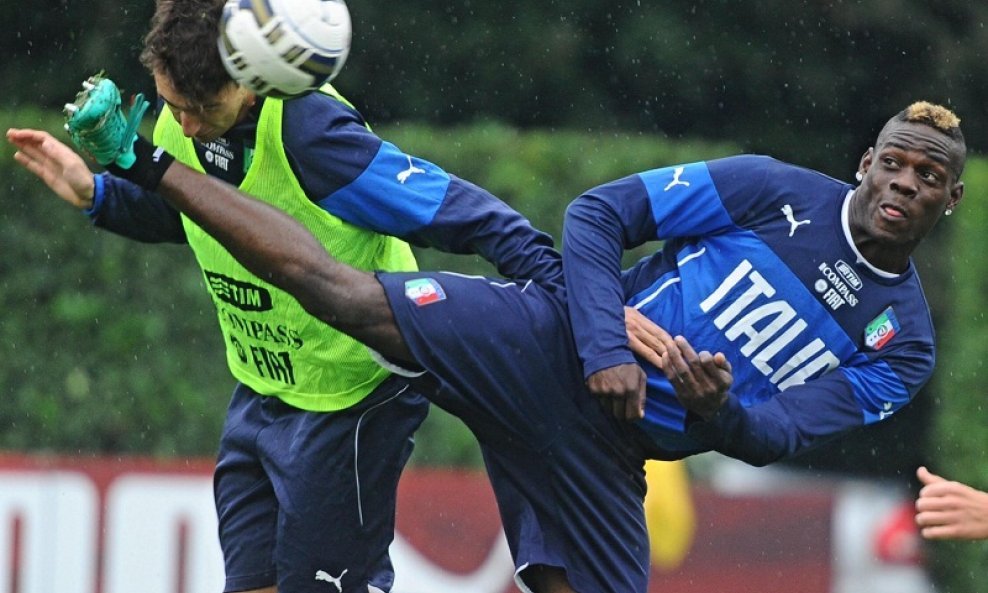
x: 568, y: 478
x: 301, y: 492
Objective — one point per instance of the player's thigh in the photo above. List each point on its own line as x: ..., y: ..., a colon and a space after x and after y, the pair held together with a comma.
x: 336, y: 476
x: 500, y: 351
x: 246, y: 505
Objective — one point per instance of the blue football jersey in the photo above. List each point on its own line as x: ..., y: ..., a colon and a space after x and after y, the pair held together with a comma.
x: 757, y: 263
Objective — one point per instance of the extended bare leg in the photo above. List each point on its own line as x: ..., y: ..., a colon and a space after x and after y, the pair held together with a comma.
x: 279, y: 249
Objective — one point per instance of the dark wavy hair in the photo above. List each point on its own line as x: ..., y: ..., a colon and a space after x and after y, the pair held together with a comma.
x: 181, y: 45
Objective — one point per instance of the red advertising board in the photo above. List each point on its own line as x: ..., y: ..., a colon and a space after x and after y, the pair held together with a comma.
x: 112, y: 525
x: 741, y: 544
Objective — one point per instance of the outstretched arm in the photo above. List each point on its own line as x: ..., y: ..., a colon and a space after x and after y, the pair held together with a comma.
x: 111, y: 203
x: 264, y: 239
x: 355, y: 175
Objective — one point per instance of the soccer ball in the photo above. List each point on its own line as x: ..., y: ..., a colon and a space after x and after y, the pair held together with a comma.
x: 284, y: 48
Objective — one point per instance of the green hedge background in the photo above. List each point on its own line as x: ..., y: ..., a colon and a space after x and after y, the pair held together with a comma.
x: 958, y: 446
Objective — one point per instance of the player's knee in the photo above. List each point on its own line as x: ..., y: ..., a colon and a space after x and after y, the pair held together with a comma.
x: 547, y: 579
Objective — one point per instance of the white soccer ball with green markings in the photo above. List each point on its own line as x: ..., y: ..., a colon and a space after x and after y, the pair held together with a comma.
x: 284, y: 48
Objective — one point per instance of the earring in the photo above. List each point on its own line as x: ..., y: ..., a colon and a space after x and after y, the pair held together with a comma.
x: 859, y: 176
x: 948, y: 211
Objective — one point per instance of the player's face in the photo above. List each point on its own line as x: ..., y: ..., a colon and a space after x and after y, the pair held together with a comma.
x: 909, y: 182
x: 210, y: 119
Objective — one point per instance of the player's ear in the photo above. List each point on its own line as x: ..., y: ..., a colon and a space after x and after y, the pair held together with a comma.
x: 956, y: 194
x: 865, y: 163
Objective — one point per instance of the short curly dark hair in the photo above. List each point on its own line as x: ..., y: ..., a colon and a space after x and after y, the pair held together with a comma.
x: 181, y: 45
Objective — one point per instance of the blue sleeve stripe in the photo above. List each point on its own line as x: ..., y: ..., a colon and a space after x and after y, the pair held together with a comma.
x: 396, y: 194
x: 878, y: 389
x: 685, y: 201
x: 99, y: 190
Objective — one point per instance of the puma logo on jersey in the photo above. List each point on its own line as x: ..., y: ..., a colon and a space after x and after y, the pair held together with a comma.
x: 676, y: 180
x: 322, y: 575
x: 411, y: 170
x: 793, y: 223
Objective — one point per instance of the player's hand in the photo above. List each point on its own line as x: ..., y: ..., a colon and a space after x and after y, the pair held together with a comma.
x: 621, y: 390
x: 950, y: 510
x: 701, y: 380
x: 646, y: 339
x: 56, y: 164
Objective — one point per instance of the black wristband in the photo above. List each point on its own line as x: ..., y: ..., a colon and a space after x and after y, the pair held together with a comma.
x: 149, y: 166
